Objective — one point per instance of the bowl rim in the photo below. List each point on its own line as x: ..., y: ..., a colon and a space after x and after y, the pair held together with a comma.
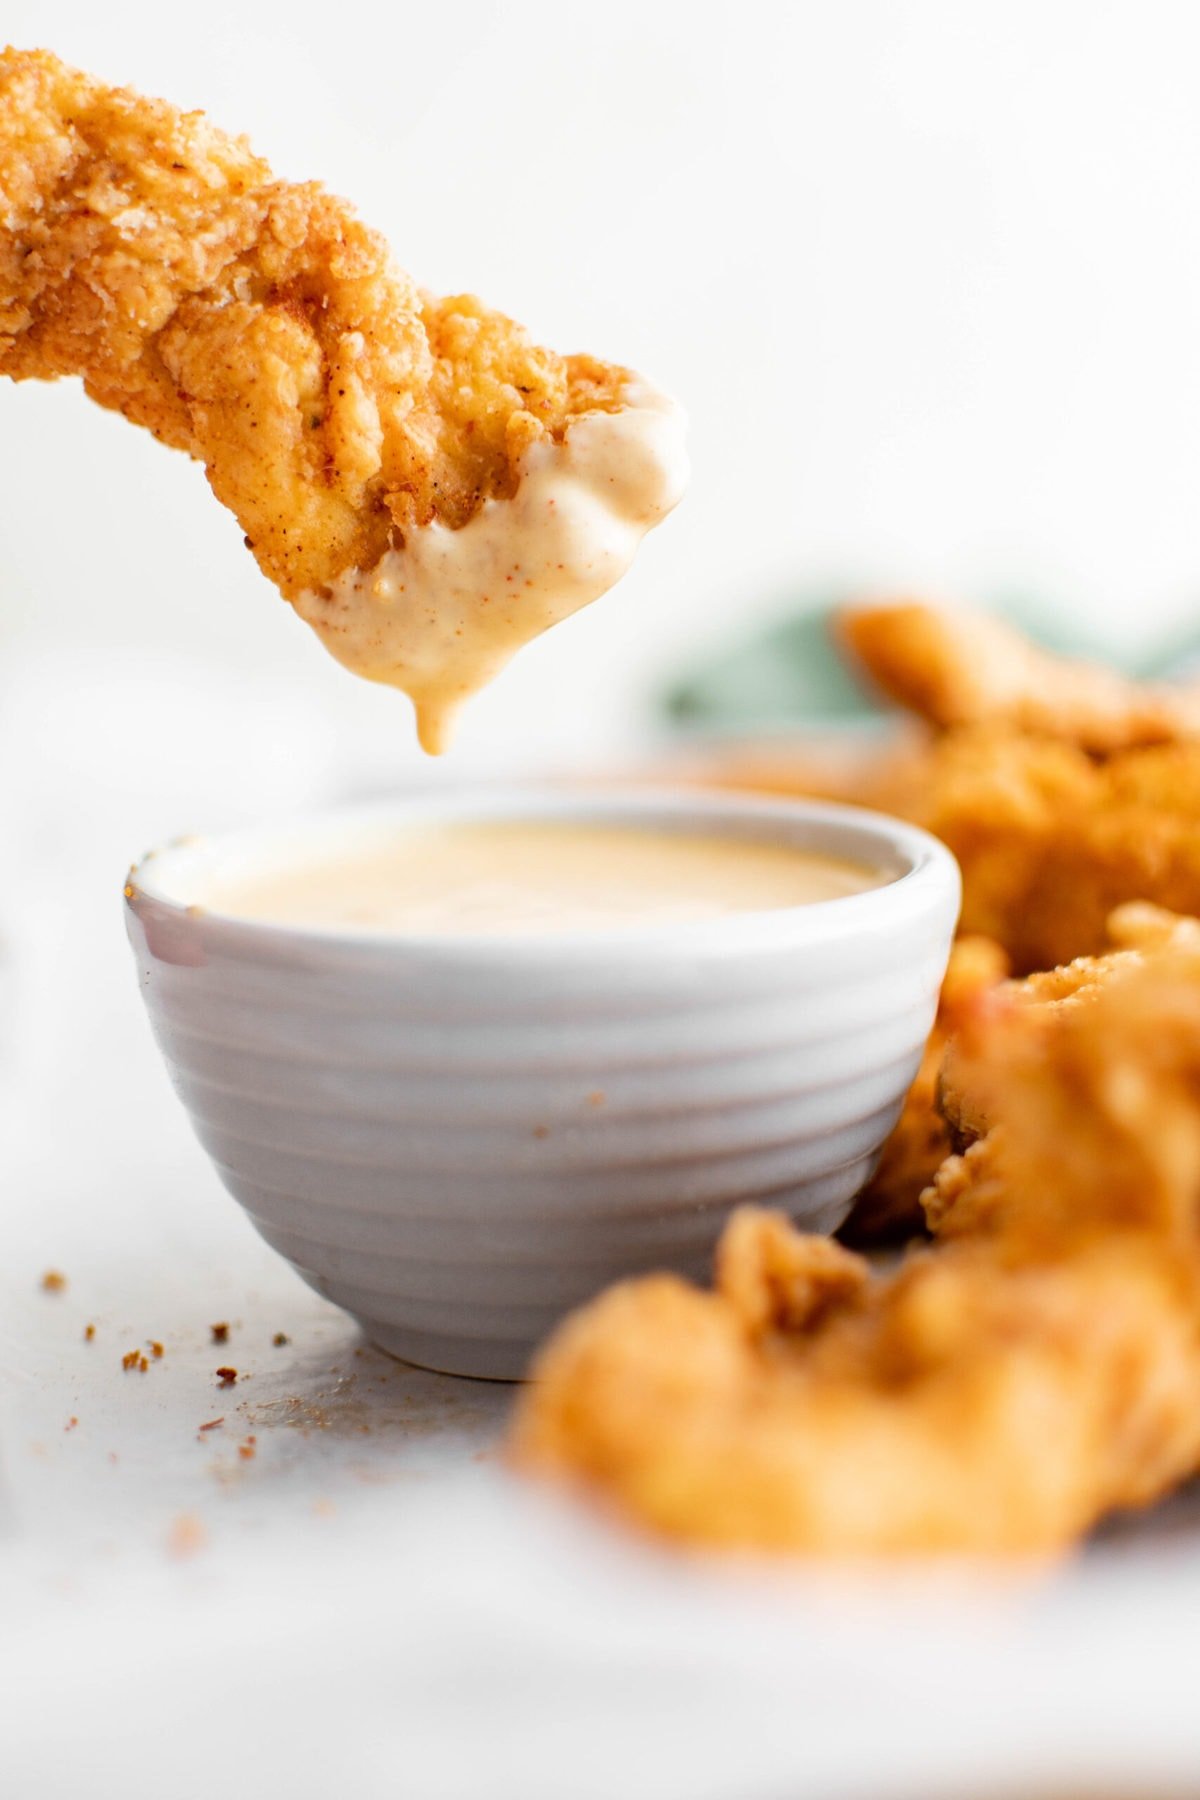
x: 926, y: 874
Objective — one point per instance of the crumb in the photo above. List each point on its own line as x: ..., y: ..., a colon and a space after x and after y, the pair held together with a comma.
x: 134, y: 1359
x: 53, y: 1281
x: 186, y: 1536
x: 280, y: 1338
x: 541, y: 1131
x: 156, y: 1348
x: 211, y: 1424
x: 226, y: 1376
x: 89, y: 1332
x: 220, y: 1333
x: 71, y: 1423
x: 597, y: 1097
x: 249, y: 1449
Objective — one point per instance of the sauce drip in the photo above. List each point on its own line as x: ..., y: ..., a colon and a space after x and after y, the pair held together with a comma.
x: 441, y: 615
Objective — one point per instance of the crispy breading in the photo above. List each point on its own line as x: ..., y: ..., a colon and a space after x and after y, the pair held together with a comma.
x: 889, y: 1207
x: 1136, y: 930
x: 1090, y: 1097
x: 1050, y: 839
x: 1139, y: 925
x: 963, y: 668
x: 258, y: 325
x: 1001, y: 1392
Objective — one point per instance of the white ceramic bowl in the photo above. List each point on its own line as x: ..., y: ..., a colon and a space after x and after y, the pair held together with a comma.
x: 457, y: 1139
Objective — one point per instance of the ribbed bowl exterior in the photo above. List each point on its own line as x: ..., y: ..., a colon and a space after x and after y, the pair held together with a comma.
x: 457, y: 1141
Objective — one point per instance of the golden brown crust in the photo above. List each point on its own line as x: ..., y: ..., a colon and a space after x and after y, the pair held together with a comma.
x: 1051, y: 837
x: 968, y: 1074
x: 1051, y: 841
x: 1001, y: 1392
x: 889, y: 1207
x: 1039, y: 1364
x: 258, y: 325
x: 963, y: 668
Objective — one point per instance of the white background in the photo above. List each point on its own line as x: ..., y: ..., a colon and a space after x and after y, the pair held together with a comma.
x: 928, y: 278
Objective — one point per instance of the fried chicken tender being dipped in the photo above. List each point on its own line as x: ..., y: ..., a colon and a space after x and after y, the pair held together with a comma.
x: 427, y: 486
x: 1003, y: 1391
x: 964, y: 668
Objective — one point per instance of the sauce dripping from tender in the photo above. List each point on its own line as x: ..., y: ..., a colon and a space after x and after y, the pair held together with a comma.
x: 441, y: 615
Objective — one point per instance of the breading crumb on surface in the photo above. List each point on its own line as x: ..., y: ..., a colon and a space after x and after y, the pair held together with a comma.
x: 188, y: 1535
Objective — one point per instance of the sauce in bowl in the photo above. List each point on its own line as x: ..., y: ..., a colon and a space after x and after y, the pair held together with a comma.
x: 520, y: 878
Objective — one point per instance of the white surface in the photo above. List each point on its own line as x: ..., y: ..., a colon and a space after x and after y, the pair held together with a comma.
x: 377, y: 1608
x: 925, y: 274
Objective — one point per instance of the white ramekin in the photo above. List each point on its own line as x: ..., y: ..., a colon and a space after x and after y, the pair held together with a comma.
x: 457, y: 1139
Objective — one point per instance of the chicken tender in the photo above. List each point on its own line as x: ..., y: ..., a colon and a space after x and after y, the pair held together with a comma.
x: 1005, y: 1389
x: 889, y: 1207
x: 1136, y: 930
x: 414, y: 474
x: 964, y: 668
x: 1051, y: 841
x: 1052, y: 832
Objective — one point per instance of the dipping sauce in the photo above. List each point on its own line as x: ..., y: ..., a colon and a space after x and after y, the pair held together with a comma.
x: 441, y: 615
x: 525, y: 879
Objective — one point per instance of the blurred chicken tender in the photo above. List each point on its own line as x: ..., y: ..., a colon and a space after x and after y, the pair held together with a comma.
x: 889, y: 1207
x: 1000, y: 1393
x: 1055, y: 808
x: 963, y: 668
x: 1051, y: 840
x: 338, y: 409
x: 1135, y: 930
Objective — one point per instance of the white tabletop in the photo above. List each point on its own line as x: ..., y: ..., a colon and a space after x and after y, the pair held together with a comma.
x: 339, y: 1590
